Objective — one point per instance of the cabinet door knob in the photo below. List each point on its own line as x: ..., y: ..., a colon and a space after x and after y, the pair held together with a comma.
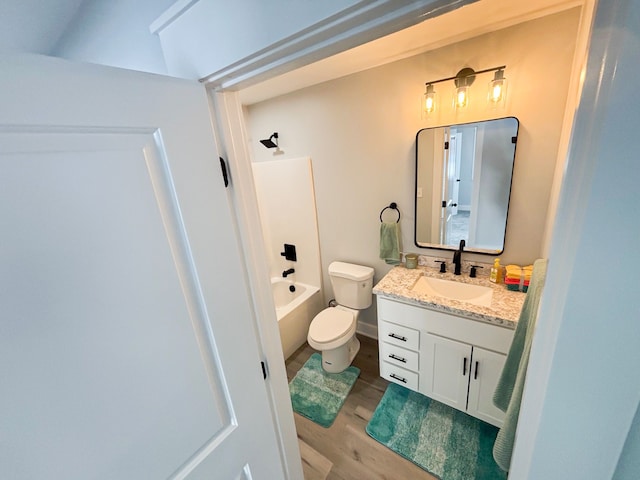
x: 464, y: 367
x: 398, y: 337
x: 475, y: 375
x: 403, y: 380
x: 400, y: 359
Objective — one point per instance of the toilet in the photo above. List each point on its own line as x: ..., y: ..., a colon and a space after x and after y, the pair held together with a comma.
x: 333, y: 330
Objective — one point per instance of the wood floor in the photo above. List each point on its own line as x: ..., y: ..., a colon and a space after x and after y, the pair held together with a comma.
x: 344, y: 451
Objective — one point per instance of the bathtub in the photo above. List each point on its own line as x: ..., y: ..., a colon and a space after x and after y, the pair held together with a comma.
x: 294, y: 311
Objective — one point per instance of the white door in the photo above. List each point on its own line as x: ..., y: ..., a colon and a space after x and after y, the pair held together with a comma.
x: 127, y: 345
x: 452, y: 187
x: 485, y: 372
x: 446, y: 375
x: 453, y: 174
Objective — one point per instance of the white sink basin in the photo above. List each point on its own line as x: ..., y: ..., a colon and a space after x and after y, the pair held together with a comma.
x: 462, y: 292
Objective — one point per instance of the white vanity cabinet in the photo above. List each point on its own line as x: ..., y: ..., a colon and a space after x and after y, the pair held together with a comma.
x: 452, y: 359
x: 462, y: 376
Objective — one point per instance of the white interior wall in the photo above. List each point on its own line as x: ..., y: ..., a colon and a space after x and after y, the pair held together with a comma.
x: 629, y: 462
x: 33, y: 25
x: 361, y: 129
x: 115, y: 33
x: 288, y: 215
x: 426, y: 140
x: 494, y: 181
x: 466, y: 168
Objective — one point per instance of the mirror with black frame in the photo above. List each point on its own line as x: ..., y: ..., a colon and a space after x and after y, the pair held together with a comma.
x: 463, y: 185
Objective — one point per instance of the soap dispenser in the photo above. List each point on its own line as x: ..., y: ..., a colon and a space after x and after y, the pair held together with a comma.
x: 496, y: 272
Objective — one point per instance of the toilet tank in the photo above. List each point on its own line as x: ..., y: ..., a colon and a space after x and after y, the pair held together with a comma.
x: 352, y: 284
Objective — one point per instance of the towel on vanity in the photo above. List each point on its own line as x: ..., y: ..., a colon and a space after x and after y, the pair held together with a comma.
x: 390, y: 242
x: 508, y: 393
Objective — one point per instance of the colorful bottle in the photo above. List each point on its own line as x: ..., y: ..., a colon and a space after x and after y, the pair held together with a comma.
x: 496, y: 272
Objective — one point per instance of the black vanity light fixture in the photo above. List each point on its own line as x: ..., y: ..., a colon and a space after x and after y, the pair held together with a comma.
x: 463, y: 80
x: 269, y: 142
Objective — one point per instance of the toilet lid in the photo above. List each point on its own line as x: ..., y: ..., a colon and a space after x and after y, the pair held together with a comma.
x: 330, y: 324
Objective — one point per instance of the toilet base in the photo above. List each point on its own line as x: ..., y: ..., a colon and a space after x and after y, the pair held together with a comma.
x: 338, y: 359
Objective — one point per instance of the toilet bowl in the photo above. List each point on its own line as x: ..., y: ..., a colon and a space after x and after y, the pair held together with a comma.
x: 333, y: 332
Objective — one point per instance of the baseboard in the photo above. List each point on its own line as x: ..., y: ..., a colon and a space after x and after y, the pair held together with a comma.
x: 367, y: 330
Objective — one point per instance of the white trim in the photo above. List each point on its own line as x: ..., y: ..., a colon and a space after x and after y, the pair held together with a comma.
x: 170, y: 15
x: 361, y: 23
x: 367, y: 330
x: 573, y: 98
x: 233, y: 146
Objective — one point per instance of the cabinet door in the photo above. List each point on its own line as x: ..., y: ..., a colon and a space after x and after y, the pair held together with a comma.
x: 486, y: 367
x: 446, y: 374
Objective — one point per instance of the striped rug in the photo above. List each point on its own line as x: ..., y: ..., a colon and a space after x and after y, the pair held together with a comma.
x: 446, y: 442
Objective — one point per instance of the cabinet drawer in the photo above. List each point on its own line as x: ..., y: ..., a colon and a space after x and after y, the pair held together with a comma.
x: 399, y: 375
x: 399, y: 356
x: 398, y: 335
x: 490, y: 337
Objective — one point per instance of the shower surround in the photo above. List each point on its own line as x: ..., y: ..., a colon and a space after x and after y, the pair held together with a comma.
x: 286, y: 201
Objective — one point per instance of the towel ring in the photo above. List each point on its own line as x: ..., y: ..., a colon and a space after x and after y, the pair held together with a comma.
x: 394, y: 206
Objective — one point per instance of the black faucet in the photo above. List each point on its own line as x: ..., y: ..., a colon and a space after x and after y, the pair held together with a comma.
x: 457, y: 258
x: 288, y: 272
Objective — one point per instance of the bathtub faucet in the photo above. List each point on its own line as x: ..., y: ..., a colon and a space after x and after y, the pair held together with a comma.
x: 288, y: 272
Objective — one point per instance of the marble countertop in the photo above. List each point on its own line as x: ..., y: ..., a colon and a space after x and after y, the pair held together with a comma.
x: 505, y: 304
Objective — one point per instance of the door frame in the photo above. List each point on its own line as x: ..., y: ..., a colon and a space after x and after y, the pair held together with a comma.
x: 229, y: 125
x: 232, y: 143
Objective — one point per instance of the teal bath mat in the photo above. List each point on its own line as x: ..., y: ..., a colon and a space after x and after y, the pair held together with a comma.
x: 319, y: 395
x: 446, y: 442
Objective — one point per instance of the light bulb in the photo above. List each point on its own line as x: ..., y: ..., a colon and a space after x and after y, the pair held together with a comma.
x: 462, y: 97
x: 429, y: 104
x: 429, y: 100
x: 497, y: 89
x: 496, y: 92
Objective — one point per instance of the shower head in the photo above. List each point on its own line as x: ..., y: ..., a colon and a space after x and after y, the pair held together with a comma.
x: 269, y: 143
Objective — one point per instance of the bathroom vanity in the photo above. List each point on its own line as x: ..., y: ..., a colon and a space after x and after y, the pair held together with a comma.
x: 449, y: 349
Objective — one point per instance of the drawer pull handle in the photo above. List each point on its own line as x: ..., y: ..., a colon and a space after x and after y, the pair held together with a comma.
x: 398, y: 337
x: 403, y: 380
x: 475, y: 375
x: 400, y: 359
x: 464, y: 367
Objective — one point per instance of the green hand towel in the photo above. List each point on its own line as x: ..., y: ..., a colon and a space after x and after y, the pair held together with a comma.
x: 508, y: 393
x: 390, y: 242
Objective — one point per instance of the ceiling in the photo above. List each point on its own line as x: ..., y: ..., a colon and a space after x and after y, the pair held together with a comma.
x: 466, y: 22
x: 34, y: 26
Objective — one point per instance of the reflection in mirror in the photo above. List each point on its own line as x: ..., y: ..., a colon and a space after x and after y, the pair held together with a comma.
x: 463, y: 183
